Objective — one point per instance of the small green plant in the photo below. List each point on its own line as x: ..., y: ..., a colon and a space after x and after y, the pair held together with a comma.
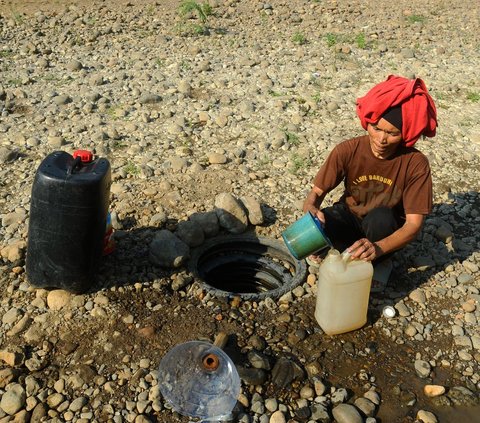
x: 299, y: 38
x: 415, y: 18
x: 191, y: 6
x: 5, y: 53
x: 202, y: 11
x: 317, y: 97
x: 186, y: 29
x: 111, y: 112
x: 17, y: 17
x: 275, y: 93
x: 51, y: 77
x: 474, y: 97
x: 392, y: 65
x: 185, y: 65
x: 132, y: 169
x: 361, y: 41
x: 331, y: 39
x: 14, y: 81
x: 292, y: 138
x: 207, y: 9
x: 118, y: 144
x: 160, y: 62
x: 264, y: 17
x: 263, y: 161
x: 298, y: 163
x: 150, y: 10
x: 90, y: 21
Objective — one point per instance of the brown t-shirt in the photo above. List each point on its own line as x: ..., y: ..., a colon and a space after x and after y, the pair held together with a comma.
x: 402, y: 182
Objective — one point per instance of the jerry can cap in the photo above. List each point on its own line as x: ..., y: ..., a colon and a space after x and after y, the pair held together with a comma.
x: 86, y: 156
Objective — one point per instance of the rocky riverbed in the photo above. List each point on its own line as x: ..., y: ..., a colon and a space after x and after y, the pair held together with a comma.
x: 239, y: 101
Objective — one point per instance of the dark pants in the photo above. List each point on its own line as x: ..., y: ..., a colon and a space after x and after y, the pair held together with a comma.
x: 343, y: 228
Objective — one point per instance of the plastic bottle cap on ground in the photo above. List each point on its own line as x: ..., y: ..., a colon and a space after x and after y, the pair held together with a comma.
x: 388, y: 311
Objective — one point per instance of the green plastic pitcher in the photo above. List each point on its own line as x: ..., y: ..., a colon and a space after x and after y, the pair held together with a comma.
x: 305, y: 236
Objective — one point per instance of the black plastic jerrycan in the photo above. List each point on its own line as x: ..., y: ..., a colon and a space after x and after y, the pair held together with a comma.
x: 68, y: 213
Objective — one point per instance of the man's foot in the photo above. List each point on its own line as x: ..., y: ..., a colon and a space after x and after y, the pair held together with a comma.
x: 314, y: 261
x: 381, y: 274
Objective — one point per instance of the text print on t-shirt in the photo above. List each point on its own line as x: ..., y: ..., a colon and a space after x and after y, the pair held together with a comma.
x: 374, y: 190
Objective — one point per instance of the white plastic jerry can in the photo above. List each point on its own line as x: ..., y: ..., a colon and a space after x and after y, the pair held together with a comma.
x: 343, y: 292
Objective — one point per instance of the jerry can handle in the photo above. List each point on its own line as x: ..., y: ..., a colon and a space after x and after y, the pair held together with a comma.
x: 76, y: 162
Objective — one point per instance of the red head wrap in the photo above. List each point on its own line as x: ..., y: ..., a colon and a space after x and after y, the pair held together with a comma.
x: 419, y: 114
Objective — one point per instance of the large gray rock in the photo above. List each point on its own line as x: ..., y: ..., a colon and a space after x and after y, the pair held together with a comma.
x: 231, y: 215
x: 190, y: 233
x: 208, y: 221
x: 166, y: 250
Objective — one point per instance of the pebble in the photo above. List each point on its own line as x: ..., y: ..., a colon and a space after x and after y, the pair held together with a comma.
x: 422, y: 368
x: 58, y: 299
x: 426, y: 416
x: 13, y: 399
x: 373, y: 396
x: 346, y: 413
x: 277, y: 417
x: 433, y: 390
x: 418, y: 296
x: 366, y: 406
x: 339, y: 396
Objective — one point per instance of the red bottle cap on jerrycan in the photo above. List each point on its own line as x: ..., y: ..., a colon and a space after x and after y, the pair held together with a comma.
x: 85, y: 155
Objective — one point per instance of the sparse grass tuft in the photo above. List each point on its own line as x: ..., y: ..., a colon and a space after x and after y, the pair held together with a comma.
x: 275, y: 93
x: 331, y: 39
x: 263, y: 161
x: 207, y: 9
x: 317, y: 97
x: 292, y: 138
x: 299, y: 38
x: 185, y: 65
x: 191, y: 6
x: 474, y: 97
x: 415, y: 18
x: 17, y: 17
x: 361, y: 41
x: 5, y: 53
x: 118, y: 144
x: 132, y: 169
x: 202, y: 11
x: 298, y: 163
x: 186, y: 29
x: 14, y: 81
x: 111, y: 111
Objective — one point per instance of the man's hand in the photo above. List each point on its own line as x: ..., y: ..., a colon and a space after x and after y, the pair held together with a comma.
x: 364, y: 249
x: 316, y: 212
x: 313, y: 201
